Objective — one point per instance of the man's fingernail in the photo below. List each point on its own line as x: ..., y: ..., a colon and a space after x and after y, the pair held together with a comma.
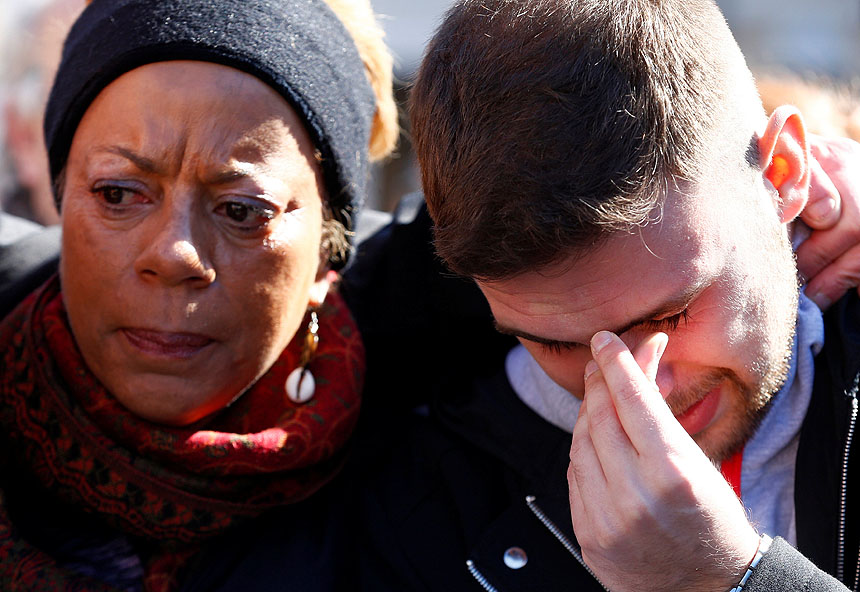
x: 821, y: 209
x: 590, y: 368
x: 822, y: 301
x: 600, y: 340
x: 663, y: 341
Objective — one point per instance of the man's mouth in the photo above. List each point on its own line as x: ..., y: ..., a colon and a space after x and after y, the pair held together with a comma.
x: 699, y: 415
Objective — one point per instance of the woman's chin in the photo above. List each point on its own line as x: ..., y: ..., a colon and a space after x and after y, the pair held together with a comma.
x: 173, y: 400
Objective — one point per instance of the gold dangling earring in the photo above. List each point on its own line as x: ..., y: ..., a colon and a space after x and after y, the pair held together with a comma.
x: 300, y: 383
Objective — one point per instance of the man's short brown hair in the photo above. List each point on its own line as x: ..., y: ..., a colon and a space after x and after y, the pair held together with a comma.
x: 542, y: 125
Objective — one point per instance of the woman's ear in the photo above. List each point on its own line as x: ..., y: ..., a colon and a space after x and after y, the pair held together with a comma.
x: 784, y: 160
x: 319, y: 289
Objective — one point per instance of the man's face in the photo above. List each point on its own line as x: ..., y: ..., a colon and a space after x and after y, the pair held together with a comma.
x: 716, y: 274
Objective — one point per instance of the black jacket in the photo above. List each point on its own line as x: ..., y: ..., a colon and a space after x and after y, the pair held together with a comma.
x: 475, y: 473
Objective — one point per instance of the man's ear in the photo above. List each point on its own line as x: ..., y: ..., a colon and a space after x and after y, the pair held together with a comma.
x: 784, y: 160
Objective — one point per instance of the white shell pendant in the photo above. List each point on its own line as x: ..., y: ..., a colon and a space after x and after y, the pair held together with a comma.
x: 300, y: 385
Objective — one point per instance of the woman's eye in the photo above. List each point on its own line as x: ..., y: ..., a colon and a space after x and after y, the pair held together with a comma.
x: 248, y: 217
x: 114, y: 195
x: 236, y: 211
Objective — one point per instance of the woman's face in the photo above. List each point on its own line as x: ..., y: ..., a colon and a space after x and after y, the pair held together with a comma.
x: 192, y: 221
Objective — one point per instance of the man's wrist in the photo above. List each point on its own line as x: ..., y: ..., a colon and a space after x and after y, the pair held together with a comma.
x: 763, y: 547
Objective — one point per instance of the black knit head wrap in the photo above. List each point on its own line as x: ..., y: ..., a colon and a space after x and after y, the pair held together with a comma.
x: 298, y: 47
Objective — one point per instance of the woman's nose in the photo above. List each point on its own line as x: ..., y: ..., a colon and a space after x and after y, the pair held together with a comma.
x: 176, y: 252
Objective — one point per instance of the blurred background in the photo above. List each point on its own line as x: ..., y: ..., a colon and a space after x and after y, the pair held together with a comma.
x: 805, y: 52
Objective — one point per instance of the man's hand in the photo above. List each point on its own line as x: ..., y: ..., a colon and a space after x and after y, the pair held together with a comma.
x: 649, y: 509
x: 830, y: 257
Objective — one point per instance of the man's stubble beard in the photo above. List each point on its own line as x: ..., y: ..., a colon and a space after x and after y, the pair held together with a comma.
x: 750, y: 401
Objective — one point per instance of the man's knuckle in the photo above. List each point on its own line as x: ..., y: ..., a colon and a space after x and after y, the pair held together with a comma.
x: 602, y: 418
x: 630, y: 391
x: 608, y: 535
x: 632, y: 506
x: 852, y: 234
x: 577, y: 448
x: 813, y: 254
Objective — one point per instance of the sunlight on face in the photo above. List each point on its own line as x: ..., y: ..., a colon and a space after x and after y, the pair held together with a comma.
x: 192, y: 217
x: 719, y: 279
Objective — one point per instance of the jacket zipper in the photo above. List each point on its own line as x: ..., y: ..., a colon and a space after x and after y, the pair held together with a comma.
x: 843, y: 495
x: 857, y: 574
x: 556, y: 532
x: 479, y: 577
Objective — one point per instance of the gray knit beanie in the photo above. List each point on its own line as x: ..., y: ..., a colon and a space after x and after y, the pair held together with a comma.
x: 298, y: 47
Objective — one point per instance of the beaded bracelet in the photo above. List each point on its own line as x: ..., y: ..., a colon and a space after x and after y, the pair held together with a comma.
x: 763, y: 546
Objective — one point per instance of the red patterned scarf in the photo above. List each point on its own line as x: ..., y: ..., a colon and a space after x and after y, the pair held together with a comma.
x: 173, y: 486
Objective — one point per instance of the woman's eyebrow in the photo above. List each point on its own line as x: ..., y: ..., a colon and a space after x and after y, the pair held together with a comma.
x: 228, y: 175
x: 143, y: 163
x: 225, y: 175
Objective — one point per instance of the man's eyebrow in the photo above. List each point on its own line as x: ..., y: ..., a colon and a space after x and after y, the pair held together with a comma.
x: 535, y: 338
x: 672, y: 306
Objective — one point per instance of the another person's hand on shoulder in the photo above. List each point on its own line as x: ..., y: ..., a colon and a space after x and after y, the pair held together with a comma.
x: 830, y: 258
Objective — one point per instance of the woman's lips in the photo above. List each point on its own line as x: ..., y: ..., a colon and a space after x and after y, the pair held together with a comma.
x: 166, y: 344
x: 699, y: 415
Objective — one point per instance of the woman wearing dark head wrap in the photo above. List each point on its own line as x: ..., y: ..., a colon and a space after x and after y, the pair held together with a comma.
x: 190, y: 368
